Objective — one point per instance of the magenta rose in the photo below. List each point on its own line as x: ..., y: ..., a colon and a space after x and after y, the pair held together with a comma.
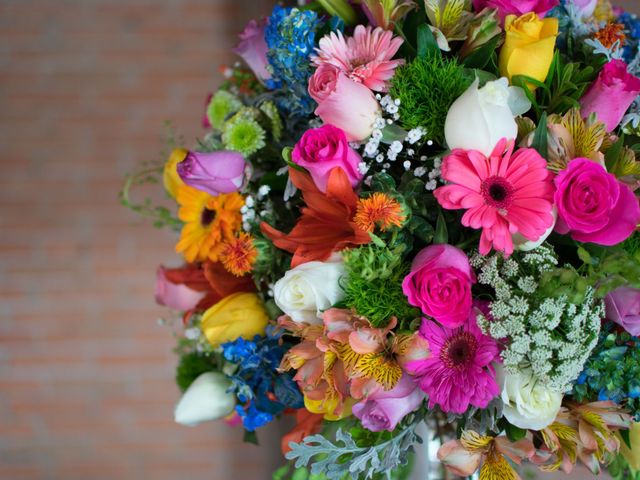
x: 623, y: 307
x: 593, y: 206
x: 213, y: 172
x: 516, y: 7
x: 384, y: 410
x: 610, y: 96
x: 350, y: 106
x: 320, y: 150
x: 253, y: 49
x: 323, y: 81
x: 173, y: 295
x: 440, y: 284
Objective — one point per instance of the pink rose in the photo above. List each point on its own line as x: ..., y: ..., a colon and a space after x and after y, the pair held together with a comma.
x: 623, y: 307
x: 350, y: 106
x: 174, y: 295
x: 440, y: 284
x: 320, y: 150
x: 213, y: 172
x: 323, y: 81
x: 611, y: 94
x: 253, y: 49
x: 516, y: 7
x: 384, y: 410
x: 593, y: 206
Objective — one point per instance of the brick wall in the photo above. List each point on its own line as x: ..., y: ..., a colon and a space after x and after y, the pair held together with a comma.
x: 86, y: 388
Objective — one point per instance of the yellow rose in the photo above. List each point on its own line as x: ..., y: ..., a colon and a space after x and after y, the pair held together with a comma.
x: 238, y: 315
x: 170, y: 177
x: 528, y: 47
x: 632, y: 455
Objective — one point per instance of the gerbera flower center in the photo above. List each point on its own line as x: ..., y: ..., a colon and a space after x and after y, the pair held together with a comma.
x: 459, y: 350
x: 497, y: 192
x: 207, y: 217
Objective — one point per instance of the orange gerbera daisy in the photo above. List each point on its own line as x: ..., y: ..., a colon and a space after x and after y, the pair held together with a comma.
x: 209, y: 222
x: 326, y: 223
x: 239, y: 254
x: 379, y: 209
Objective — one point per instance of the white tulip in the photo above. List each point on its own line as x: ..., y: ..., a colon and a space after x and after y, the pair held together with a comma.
x: 205, y: 399
x: 528, y: 404
x: 525, y: 245
x: 308, y: 289
x: 481, y: 117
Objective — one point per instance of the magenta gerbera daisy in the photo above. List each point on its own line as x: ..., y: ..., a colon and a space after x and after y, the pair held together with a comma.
x: 365, y: 57
x: 459, y: 371
x: 503, y: 194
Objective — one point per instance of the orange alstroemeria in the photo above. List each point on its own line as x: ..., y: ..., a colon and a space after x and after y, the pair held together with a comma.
x: 326, y: 223
x: 307, y: 423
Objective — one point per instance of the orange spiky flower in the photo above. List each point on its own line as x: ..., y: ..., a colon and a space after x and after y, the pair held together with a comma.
x: 239, y: 254
x: 610, y: 34
x: 379, y: 209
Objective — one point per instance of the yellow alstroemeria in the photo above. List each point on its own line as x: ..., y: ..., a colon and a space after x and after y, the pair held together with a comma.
x: 170, y: 177
x: 238, y: 315
x: 329, y: 407
x: 528, y: 47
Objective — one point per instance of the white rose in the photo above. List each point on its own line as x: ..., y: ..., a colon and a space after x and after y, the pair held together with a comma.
x: 527, y: 402
x: 307, y: 290
x: 480, y: 118
x: 205, y: 399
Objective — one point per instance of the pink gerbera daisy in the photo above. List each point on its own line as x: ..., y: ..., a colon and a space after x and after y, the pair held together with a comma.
x: 365, y: 57
x: 459, y: 371
x: 504, y: 194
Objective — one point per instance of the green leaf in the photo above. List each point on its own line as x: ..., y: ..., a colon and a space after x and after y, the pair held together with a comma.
x: 393, y: 132
x: 441, y: 235
x: 250, y: 437
x: 613, y: 154
x: 625, y: 437
x: 286, y: 155
x: 514, y: 433
x: 300, y: 474
x: 281, y: 473
x: 540, y: 139
x: 426, y: 42
x: 481, y: 57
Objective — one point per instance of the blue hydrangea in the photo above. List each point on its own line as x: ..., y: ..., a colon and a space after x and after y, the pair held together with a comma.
x: 290, y: 36
x: 262, y: 392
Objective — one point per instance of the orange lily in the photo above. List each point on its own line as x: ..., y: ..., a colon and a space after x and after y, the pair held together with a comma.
x: 326, y: 223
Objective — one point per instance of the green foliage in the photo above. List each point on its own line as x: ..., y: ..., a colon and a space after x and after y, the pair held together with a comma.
x: 632, y: 246
x: 191, y: 366
x: 610, y: 268
x: 427, y: 87
x: 374, y: 283
x: 561, y: 91
x: 619, y: 469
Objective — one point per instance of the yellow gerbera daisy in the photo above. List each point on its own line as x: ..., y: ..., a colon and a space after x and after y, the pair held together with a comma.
x: 209, y: 222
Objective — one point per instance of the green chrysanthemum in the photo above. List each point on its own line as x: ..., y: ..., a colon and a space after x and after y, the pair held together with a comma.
x: 243, y: 134
x: 222, y: 105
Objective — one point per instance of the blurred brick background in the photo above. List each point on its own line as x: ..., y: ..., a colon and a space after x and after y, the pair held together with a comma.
x: 86, y: 374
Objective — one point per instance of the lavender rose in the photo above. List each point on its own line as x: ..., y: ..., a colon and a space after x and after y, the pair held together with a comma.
x: 214, y: 172
x: 320, y: 150
x: 623, y: 307
x: 440, y: 284
x: 383, y: 410
x: 253, y: 49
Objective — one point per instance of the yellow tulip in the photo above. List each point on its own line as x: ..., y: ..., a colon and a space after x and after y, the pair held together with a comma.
x: 528, y: 47
x: 238, y: 315
x: 327, y: 407
x: 171, y: 179
x: 632, y: 455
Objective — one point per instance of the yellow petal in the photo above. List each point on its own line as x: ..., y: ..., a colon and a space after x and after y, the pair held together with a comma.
x: 496, y: 467
x: 238, y: 315
x: 632, y: 455
x: 170, y: 177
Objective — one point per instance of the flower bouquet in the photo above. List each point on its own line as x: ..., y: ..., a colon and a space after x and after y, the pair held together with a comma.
x: 416, y: 212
